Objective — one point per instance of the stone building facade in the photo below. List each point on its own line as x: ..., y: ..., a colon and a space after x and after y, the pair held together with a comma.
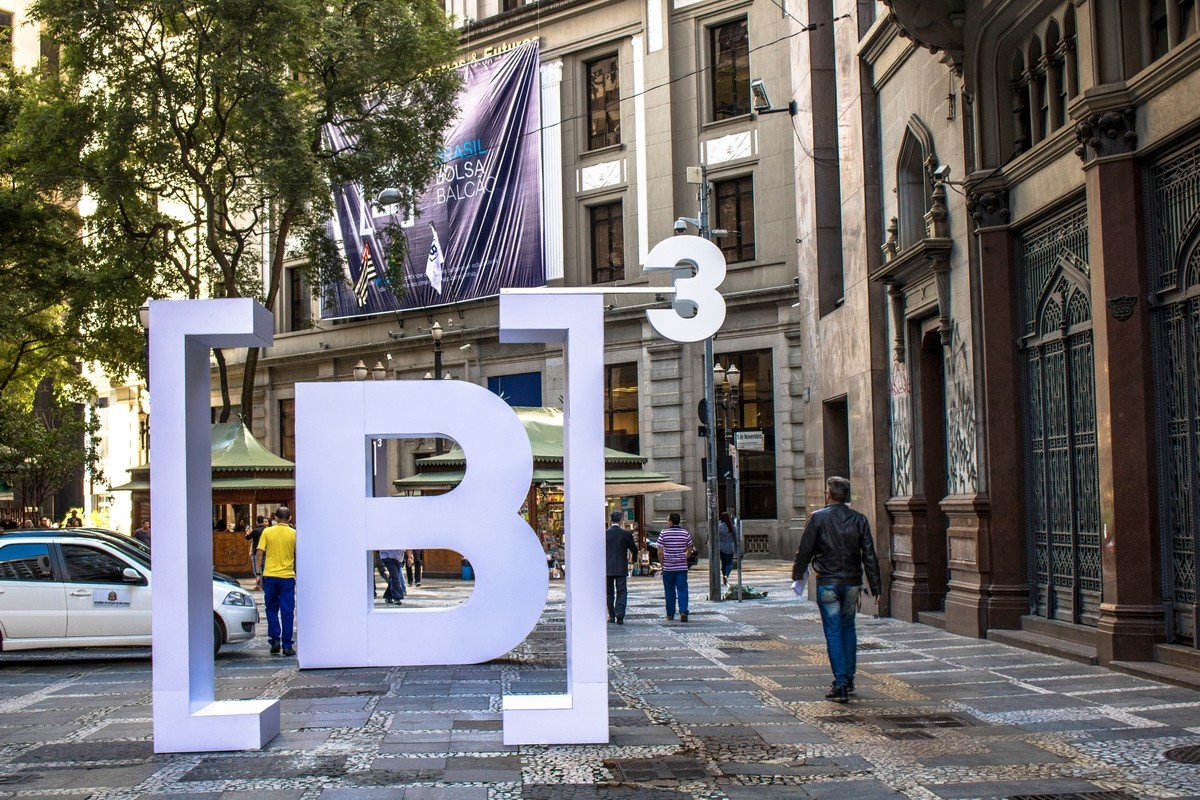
x: 632, y: 95
x: 1038, y: 168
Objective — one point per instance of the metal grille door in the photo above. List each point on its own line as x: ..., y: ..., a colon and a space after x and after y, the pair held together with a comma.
x: 1062, y: 484
x: 1173, y: 198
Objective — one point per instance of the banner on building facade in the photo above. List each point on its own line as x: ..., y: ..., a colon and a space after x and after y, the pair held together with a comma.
x: 477, y: 229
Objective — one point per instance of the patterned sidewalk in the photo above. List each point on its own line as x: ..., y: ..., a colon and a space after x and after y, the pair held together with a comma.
x: 729, y: 705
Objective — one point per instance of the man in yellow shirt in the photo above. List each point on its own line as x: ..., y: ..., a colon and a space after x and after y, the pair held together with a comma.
x: 277, y: 559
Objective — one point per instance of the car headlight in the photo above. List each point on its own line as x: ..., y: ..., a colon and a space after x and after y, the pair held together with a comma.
x: 238, y: 599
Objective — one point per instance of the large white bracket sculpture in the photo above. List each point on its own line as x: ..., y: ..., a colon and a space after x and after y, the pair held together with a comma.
x: 187, y: 717
x: 581, y: 715
x: 340, y: 522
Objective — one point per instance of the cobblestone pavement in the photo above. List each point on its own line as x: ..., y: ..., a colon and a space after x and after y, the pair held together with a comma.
x: 728, y: 705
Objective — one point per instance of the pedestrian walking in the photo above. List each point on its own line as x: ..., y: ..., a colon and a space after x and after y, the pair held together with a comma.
x: 395, y: 591
x: 142, y: 534
x: 618, y: 546
x: 277, y: 554
x: 413, y: 566
x: 252, y: 536
x: 729, y: 541
x: 837, y: 542
x: 674, y: 546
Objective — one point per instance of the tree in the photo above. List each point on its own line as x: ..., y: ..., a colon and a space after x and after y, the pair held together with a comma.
x: 58, y: 308
x: 206, y: 151
x: 43, y: 448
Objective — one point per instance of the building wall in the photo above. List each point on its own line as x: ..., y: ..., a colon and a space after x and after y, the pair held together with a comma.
x: 662, y: 51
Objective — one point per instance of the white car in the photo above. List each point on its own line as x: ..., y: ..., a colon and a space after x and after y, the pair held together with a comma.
x: 90, y: 588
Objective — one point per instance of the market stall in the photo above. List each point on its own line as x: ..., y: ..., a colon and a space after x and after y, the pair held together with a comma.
x: 245, y: 476
x: 627, y: 484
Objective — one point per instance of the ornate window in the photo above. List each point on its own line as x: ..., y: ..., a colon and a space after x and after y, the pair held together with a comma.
x: 912, y: 182
x: 1039, y: 102
x: 603, y: 103
x: 729, y: 56
x: 1043, y: 79
x: 608, y: 242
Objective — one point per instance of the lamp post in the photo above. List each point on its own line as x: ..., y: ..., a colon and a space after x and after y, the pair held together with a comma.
x: 726, y: 384
x: 699, y: 175
x: 436, y: 331
x: 379, y: 468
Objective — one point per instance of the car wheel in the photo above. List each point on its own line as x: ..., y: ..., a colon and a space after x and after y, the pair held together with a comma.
x: 218, y: 636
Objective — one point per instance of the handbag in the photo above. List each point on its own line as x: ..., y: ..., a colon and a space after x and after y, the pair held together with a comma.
x: 693, y: 558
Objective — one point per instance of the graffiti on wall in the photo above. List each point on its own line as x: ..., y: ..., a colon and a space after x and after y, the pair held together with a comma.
x: 900, y: 398
x: 962, y: 470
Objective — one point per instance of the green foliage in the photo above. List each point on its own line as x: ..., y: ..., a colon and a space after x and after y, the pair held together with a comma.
x: 43, y: 447
x: 203, y: 129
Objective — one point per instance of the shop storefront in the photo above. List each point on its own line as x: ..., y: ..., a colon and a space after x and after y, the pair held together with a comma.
x: 247, y: 480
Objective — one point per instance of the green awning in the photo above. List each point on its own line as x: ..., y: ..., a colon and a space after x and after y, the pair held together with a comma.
x: 238, y: 462
x: 222, y: 482
x: 623, y: 474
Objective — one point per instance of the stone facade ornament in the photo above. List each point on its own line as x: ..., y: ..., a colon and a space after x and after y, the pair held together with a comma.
x: 934, y: 24
x: 1107, y: 133
x: 988, y: 208
x: 1121, y: 307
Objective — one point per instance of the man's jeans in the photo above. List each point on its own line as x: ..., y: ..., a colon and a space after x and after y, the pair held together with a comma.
x: 279, y: 595
x: 675, y: 585
x: 838, y: 605
x: 617, y: 595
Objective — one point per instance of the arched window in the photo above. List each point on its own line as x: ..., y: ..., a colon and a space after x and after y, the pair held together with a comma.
x: 1019, y: 89
x: 1039, y: 96
x: 1056, y: 78
x: 912, y: 189
x: 1070, y: 60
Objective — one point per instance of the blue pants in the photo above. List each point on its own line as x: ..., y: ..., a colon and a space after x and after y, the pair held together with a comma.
x: 395, y: 577
x: 838, y: 605
x: 279, y: 594
x: 675, y: 584
x: 726, y: 564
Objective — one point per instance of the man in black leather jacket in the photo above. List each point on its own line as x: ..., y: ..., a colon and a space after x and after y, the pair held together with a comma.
x: 837, y: 541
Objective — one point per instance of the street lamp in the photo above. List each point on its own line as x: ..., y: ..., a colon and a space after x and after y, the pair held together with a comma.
x: 144, y: 318
x: 360, y: 371
x: 436, y: 331
x: 699, y: 175
x: 726, y: 384
x: 378, y: 372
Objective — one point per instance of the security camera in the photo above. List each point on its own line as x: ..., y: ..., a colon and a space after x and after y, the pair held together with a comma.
x: 680, y: 226
x: 465, y: 347
x: 758, y: 90
x: 942, y: 173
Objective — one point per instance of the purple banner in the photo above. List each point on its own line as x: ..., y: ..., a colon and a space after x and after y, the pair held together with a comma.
x: 478, y: 227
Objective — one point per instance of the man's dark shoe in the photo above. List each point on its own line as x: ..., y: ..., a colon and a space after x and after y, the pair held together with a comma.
x: 850, y: 686
x: 620, y: 620
x: 683, y: 616
x: 670, y: 616
x: 274, y: 646
x: 291, y: 651
x: 611, y: 618
x: 838, y: 694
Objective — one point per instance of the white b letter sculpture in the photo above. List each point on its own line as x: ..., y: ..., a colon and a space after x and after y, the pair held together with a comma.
x: 339, y: 522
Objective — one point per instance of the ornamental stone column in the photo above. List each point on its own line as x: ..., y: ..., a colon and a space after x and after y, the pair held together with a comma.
x: 1131, y: 612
